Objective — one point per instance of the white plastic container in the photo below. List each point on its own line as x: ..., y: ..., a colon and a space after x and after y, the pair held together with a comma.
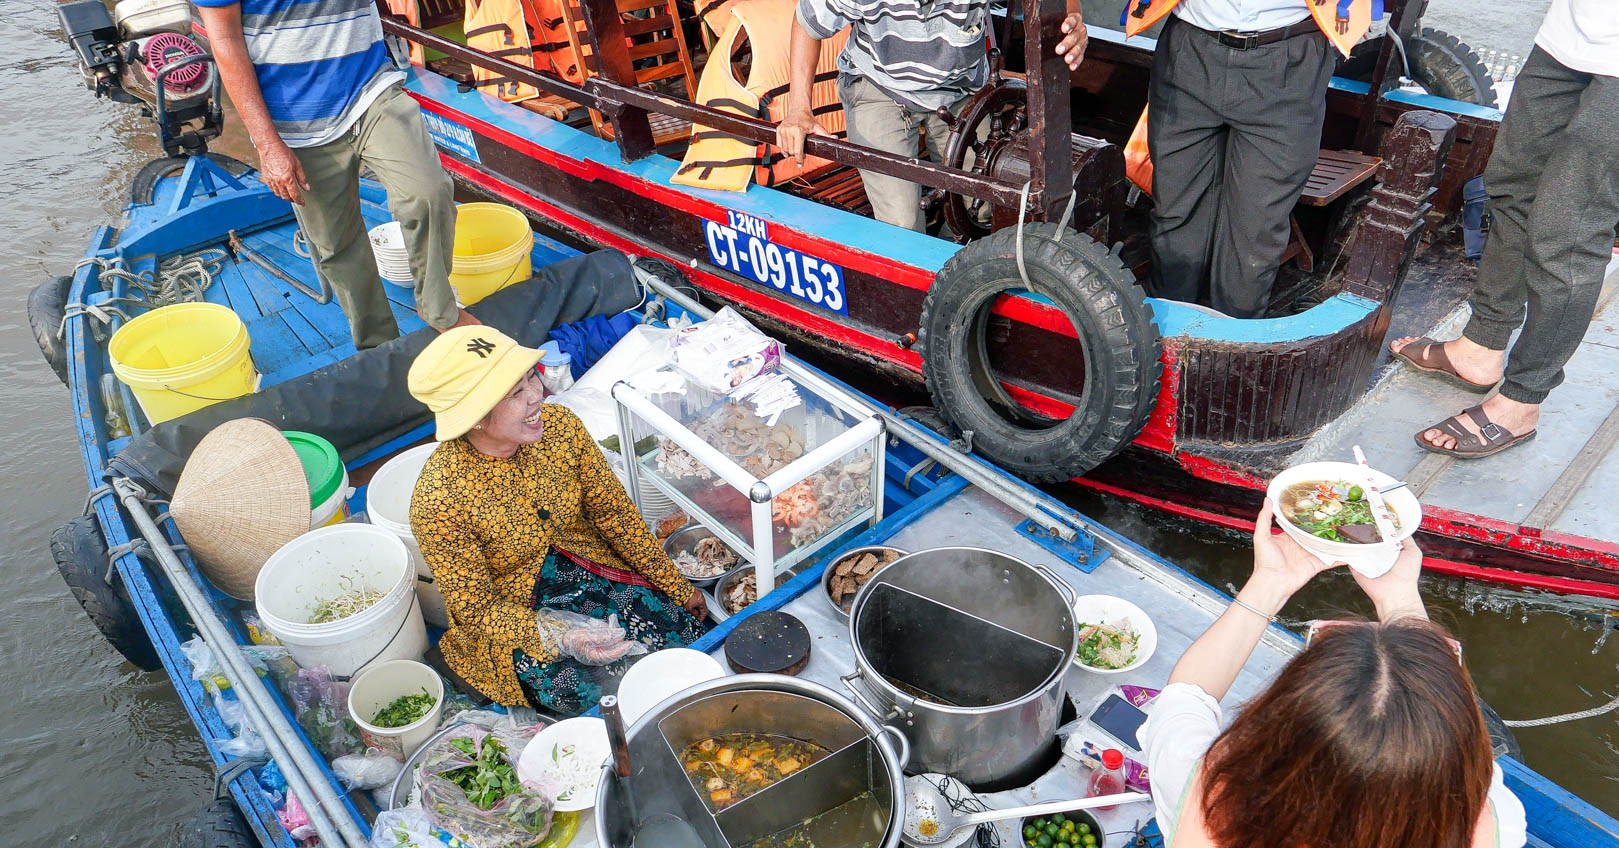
x: 328, y: 562
x: 382, y: 684
x: 331, y: 512
x: 136, y: 18
x: 387, y: 505
x: 1370, y: 560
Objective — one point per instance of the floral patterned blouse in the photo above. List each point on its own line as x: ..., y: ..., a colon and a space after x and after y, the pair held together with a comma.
x: 485, y: 525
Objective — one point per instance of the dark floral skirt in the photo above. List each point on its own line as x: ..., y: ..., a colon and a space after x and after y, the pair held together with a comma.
x: 568, y: 687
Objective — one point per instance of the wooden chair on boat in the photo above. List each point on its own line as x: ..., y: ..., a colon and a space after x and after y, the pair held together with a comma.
x: 657, y: 50
x: 1336, y: 172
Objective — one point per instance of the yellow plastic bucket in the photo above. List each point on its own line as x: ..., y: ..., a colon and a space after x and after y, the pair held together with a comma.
x: 493, y: 243
x: 183, y: 357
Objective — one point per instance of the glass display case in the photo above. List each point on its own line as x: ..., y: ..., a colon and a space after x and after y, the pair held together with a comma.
x: 776, y: 481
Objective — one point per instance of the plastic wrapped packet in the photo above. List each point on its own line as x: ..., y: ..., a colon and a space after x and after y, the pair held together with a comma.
x: 295, y: 819
x: 245, y: 741
x: 403, y: 828
x: 515, y: 816
x: 371, y: 770
x: 724, y: 352
x: 592, y: 641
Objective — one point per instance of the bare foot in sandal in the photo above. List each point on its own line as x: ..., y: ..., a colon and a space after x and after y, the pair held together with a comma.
x: 1472, y: 364
x: 1513, y: 422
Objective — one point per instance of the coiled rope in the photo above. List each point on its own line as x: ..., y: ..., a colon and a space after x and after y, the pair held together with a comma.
x: 178, y: 279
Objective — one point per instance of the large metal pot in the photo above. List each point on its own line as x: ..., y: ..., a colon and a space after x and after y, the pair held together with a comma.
x: 968, y: 648
x: 657, y: 807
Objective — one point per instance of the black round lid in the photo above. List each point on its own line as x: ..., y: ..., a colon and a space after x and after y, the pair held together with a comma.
x: 770, y: 642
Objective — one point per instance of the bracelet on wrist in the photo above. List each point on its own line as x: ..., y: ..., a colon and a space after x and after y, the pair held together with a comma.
x: 1253, y: 609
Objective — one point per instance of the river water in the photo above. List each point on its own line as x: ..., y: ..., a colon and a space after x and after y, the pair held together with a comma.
x: 93, y: 752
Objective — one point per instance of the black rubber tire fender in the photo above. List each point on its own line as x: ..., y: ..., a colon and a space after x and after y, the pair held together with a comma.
x: 218, y: 825
x: 1111, y: 316
x: 47, y: 303
x: 81, y: 558
x: 146, y: 179
x: 1446, y: 66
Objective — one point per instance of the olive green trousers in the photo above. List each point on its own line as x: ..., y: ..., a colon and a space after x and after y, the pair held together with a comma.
x: 391, y: 139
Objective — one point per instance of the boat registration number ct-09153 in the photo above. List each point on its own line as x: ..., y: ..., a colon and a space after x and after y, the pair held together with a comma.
x: 743, y: 245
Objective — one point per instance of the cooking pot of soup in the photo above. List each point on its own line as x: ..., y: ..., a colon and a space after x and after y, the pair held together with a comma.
x: 733, y: 761
x: 966, y: 650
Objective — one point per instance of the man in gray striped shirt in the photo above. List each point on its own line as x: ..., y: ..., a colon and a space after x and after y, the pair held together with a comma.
x: 905, y: 60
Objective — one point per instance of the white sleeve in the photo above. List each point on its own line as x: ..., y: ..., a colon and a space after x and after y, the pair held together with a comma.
x: 1182, y: 722
x: 1511, y: 823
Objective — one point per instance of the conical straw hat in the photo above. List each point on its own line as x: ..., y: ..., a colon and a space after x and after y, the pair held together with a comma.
x: 241, y: 497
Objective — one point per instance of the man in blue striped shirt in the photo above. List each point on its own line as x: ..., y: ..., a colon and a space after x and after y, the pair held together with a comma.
x: 319, y: 94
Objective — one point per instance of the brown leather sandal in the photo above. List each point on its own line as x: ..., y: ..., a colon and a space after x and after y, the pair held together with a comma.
x: 1491, y: 439
x: 1426, y: 354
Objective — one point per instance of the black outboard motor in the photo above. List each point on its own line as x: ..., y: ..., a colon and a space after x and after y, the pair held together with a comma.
x: 143, y: 53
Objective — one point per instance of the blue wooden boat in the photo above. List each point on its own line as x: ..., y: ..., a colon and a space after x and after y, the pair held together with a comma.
x: 154, y: 595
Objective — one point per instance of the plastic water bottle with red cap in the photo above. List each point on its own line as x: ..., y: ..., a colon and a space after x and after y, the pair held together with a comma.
x: 1109, y: 779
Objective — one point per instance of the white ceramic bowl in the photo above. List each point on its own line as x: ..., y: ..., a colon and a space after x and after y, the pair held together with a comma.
x: 387, y: 238
x: 661, y: 674
x: 1106, y: 609
x: 588, y: 736
x: 1370, y: 560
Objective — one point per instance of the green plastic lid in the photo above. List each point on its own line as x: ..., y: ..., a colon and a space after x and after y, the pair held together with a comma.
x: 322, y: 466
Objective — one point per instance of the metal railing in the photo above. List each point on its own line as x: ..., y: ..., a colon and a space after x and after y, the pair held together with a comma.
x: 613, y: 92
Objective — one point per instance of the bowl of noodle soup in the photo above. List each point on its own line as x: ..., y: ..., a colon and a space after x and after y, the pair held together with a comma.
x: 1372, y: 559
x: 1115, y: 635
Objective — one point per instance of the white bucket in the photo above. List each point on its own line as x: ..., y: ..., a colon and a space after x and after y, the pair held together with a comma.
x: 328, y: 562
x: 379, y: 686
x: 387, y: 505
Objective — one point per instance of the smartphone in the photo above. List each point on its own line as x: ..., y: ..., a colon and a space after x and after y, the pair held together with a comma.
x: 1119, y: 719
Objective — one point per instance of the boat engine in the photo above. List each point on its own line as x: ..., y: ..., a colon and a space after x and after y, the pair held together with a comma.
x: 142, y: 52
x: 990, y: 136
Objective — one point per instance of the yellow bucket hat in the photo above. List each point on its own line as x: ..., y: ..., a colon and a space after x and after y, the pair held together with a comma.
x: 465, y: 373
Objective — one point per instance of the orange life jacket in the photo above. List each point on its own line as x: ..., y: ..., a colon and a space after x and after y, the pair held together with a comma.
x: 1137, y: 161
x: 507, y: 29
x: 1344, y: 22
x: 408, y: 10
x: 720, y: 161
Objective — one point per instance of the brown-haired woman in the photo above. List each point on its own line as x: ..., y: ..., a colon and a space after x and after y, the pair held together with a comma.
x: 1370, y: 737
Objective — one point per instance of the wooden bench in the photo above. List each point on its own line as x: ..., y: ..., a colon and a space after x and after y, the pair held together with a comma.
x: 1336, y: 172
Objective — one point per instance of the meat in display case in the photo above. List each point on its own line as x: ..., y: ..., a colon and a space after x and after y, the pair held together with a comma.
x: 775, y: 479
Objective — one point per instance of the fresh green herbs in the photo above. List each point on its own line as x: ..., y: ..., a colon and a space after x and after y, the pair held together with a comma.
x: 1109, y: 646
x: 490, y: 777
x: 405, y: 709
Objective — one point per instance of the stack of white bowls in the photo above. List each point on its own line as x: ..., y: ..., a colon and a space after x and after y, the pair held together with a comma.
x: 393, y: 261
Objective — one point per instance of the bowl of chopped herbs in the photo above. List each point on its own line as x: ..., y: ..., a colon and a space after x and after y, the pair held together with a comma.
x: 396, y: 705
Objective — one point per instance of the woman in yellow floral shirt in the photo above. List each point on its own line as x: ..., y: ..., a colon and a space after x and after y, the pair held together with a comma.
x: 518, y: 511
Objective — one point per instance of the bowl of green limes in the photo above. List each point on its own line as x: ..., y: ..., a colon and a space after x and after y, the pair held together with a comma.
x: 1078, y: 829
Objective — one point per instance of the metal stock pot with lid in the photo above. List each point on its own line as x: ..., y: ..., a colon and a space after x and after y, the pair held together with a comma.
x: 854, y: 795
x: 966, y: 650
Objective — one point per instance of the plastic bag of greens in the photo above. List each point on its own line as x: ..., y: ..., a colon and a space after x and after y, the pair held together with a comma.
x: 320, y: 703
x: 470, y: 790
